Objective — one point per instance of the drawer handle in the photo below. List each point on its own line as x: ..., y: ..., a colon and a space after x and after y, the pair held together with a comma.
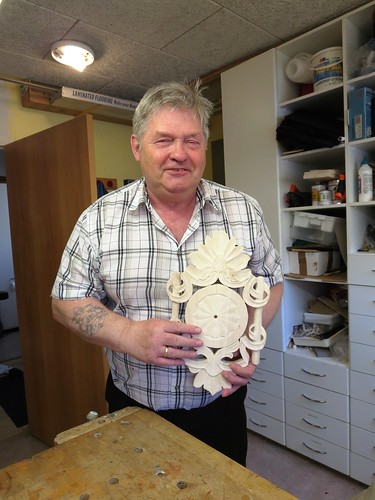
x: 258, y: 380
x: 314, y: 400
x: 257, y: 402
x: 314, y: 425
x: 314, y: 374
x: 262, y: 359
x: 255, y: 423
x: 313, y: 449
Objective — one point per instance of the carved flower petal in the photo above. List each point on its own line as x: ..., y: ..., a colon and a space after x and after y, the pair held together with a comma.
x: 239, y: 261
x: 234, y: 279
x: 202, y: 277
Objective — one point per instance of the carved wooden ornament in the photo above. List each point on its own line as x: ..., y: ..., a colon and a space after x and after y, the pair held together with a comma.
x: 216, y: 268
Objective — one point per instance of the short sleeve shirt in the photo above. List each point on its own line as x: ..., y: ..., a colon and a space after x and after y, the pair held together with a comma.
x: 121, y: 253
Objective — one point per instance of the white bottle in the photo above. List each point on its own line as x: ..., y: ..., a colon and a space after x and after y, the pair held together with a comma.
x: 365, y: 188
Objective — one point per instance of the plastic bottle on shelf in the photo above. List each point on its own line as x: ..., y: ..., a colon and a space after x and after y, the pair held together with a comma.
x: 365, y: 188
x: 340, y: 194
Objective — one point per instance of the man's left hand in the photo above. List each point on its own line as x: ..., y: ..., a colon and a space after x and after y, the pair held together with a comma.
x: 238, y: 376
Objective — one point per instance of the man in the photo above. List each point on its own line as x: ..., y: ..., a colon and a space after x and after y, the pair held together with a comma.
x: 111, y: 286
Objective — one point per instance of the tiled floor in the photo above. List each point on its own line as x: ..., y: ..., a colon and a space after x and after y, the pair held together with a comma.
x: 294, y: 473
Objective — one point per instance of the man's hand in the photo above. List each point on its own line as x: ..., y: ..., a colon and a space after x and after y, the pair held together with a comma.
x: 156, y: 341
x: 238, y: 376
x: 162, y: 342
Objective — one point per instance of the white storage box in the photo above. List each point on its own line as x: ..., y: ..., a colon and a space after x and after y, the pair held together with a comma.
x: 317, y: 228
x: 310, y: 262
x: 322, y: 341
x: 328, y: 321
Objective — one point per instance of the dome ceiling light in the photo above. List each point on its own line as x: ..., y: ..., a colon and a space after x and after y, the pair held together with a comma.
x: 74, y: 54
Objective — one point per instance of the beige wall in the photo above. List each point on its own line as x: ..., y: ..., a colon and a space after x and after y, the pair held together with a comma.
x: 113, y: 155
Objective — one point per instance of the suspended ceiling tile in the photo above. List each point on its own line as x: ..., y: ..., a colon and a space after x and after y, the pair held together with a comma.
x: 287, y: 18
x: 30, y: 30
x: 152, y: 22
x: 29, y: 69
x: 131, y: 61
x: 123, y: 89
x: 221, y: 39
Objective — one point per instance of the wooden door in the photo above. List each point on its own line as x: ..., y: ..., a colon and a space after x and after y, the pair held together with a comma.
x: 51, y: 180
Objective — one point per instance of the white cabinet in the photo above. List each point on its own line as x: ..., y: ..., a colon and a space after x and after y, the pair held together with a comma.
x: 256, y: 97
x: 317, y: 406
x: 265, y: 397
x: 362, y: 376
x: 249, y: 121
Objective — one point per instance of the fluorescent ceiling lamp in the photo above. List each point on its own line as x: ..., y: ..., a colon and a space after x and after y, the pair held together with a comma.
x: 74, y: 54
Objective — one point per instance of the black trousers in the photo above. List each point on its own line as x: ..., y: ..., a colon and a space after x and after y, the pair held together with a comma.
x: 221, y: 424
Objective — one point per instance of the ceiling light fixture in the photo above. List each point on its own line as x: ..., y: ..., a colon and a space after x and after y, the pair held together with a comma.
x: 74, y: 54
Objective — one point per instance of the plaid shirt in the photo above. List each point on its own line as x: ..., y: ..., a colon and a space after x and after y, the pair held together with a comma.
x: 121, y: 253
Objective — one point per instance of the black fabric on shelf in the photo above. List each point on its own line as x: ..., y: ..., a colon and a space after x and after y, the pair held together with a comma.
x: 306, y: 131
x: 13, y: 398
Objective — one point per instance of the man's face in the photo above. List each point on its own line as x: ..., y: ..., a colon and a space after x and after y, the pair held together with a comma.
x: 172, y: 156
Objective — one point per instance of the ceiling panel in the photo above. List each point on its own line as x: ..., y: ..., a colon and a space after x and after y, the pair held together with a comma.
x: 139, y: 43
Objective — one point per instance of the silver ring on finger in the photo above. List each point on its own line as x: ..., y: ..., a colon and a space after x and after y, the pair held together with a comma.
x: 165, y: 355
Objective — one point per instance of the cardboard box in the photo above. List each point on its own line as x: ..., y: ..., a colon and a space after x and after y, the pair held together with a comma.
x: 311, y: 262
x: 360, y: 113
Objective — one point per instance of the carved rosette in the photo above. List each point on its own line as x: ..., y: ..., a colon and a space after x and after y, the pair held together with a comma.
x: 216, y: 268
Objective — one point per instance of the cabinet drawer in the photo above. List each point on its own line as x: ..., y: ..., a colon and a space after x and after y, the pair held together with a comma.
x: 265, y: 403
x: 362, y: 442
x: 317, y: 399
x: 361, y: 269
x: 268, y: 382
x: 362, y: 300
x: 317, y: 371
x: 319, y: 450
x: 362, y: 469
x: 362, y: 415
x: 362, y: 329
x: 272, y: 361
x: 362, y: 358
x: 362, y: 387
x: 266, y: 426
x: 327, y: 428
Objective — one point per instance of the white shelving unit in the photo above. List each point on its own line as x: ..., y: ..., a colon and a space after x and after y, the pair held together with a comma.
x: 256, y: 97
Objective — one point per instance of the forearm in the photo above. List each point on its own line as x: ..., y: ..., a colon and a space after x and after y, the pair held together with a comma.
x: 150, y: 341
x: 272, y: 306
x: 92, y: 322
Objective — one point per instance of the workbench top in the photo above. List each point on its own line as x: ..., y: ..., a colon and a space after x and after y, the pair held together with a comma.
x: 133, y: 454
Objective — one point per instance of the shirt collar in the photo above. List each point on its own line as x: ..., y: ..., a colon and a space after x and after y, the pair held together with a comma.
x: 206, y: 193
x: 140, y: 195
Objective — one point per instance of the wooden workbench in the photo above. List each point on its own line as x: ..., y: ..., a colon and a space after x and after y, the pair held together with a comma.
x: 132, y: 454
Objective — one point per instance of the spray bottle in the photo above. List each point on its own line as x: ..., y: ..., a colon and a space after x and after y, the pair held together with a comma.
x: 365, y: 189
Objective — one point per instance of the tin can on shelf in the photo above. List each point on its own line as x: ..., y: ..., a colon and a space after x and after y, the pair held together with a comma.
x: 325, y: 197
x: 315, y: 190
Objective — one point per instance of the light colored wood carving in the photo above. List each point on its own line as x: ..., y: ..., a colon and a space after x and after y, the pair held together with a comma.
x: 215, y: 269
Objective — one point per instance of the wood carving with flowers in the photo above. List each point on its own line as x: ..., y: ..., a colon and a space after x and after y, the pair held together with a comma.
x: 217, y: 287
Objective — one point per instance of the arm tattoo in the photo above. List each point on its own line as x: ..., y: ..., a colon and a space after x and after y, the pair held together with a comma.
x: 89, y: 318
